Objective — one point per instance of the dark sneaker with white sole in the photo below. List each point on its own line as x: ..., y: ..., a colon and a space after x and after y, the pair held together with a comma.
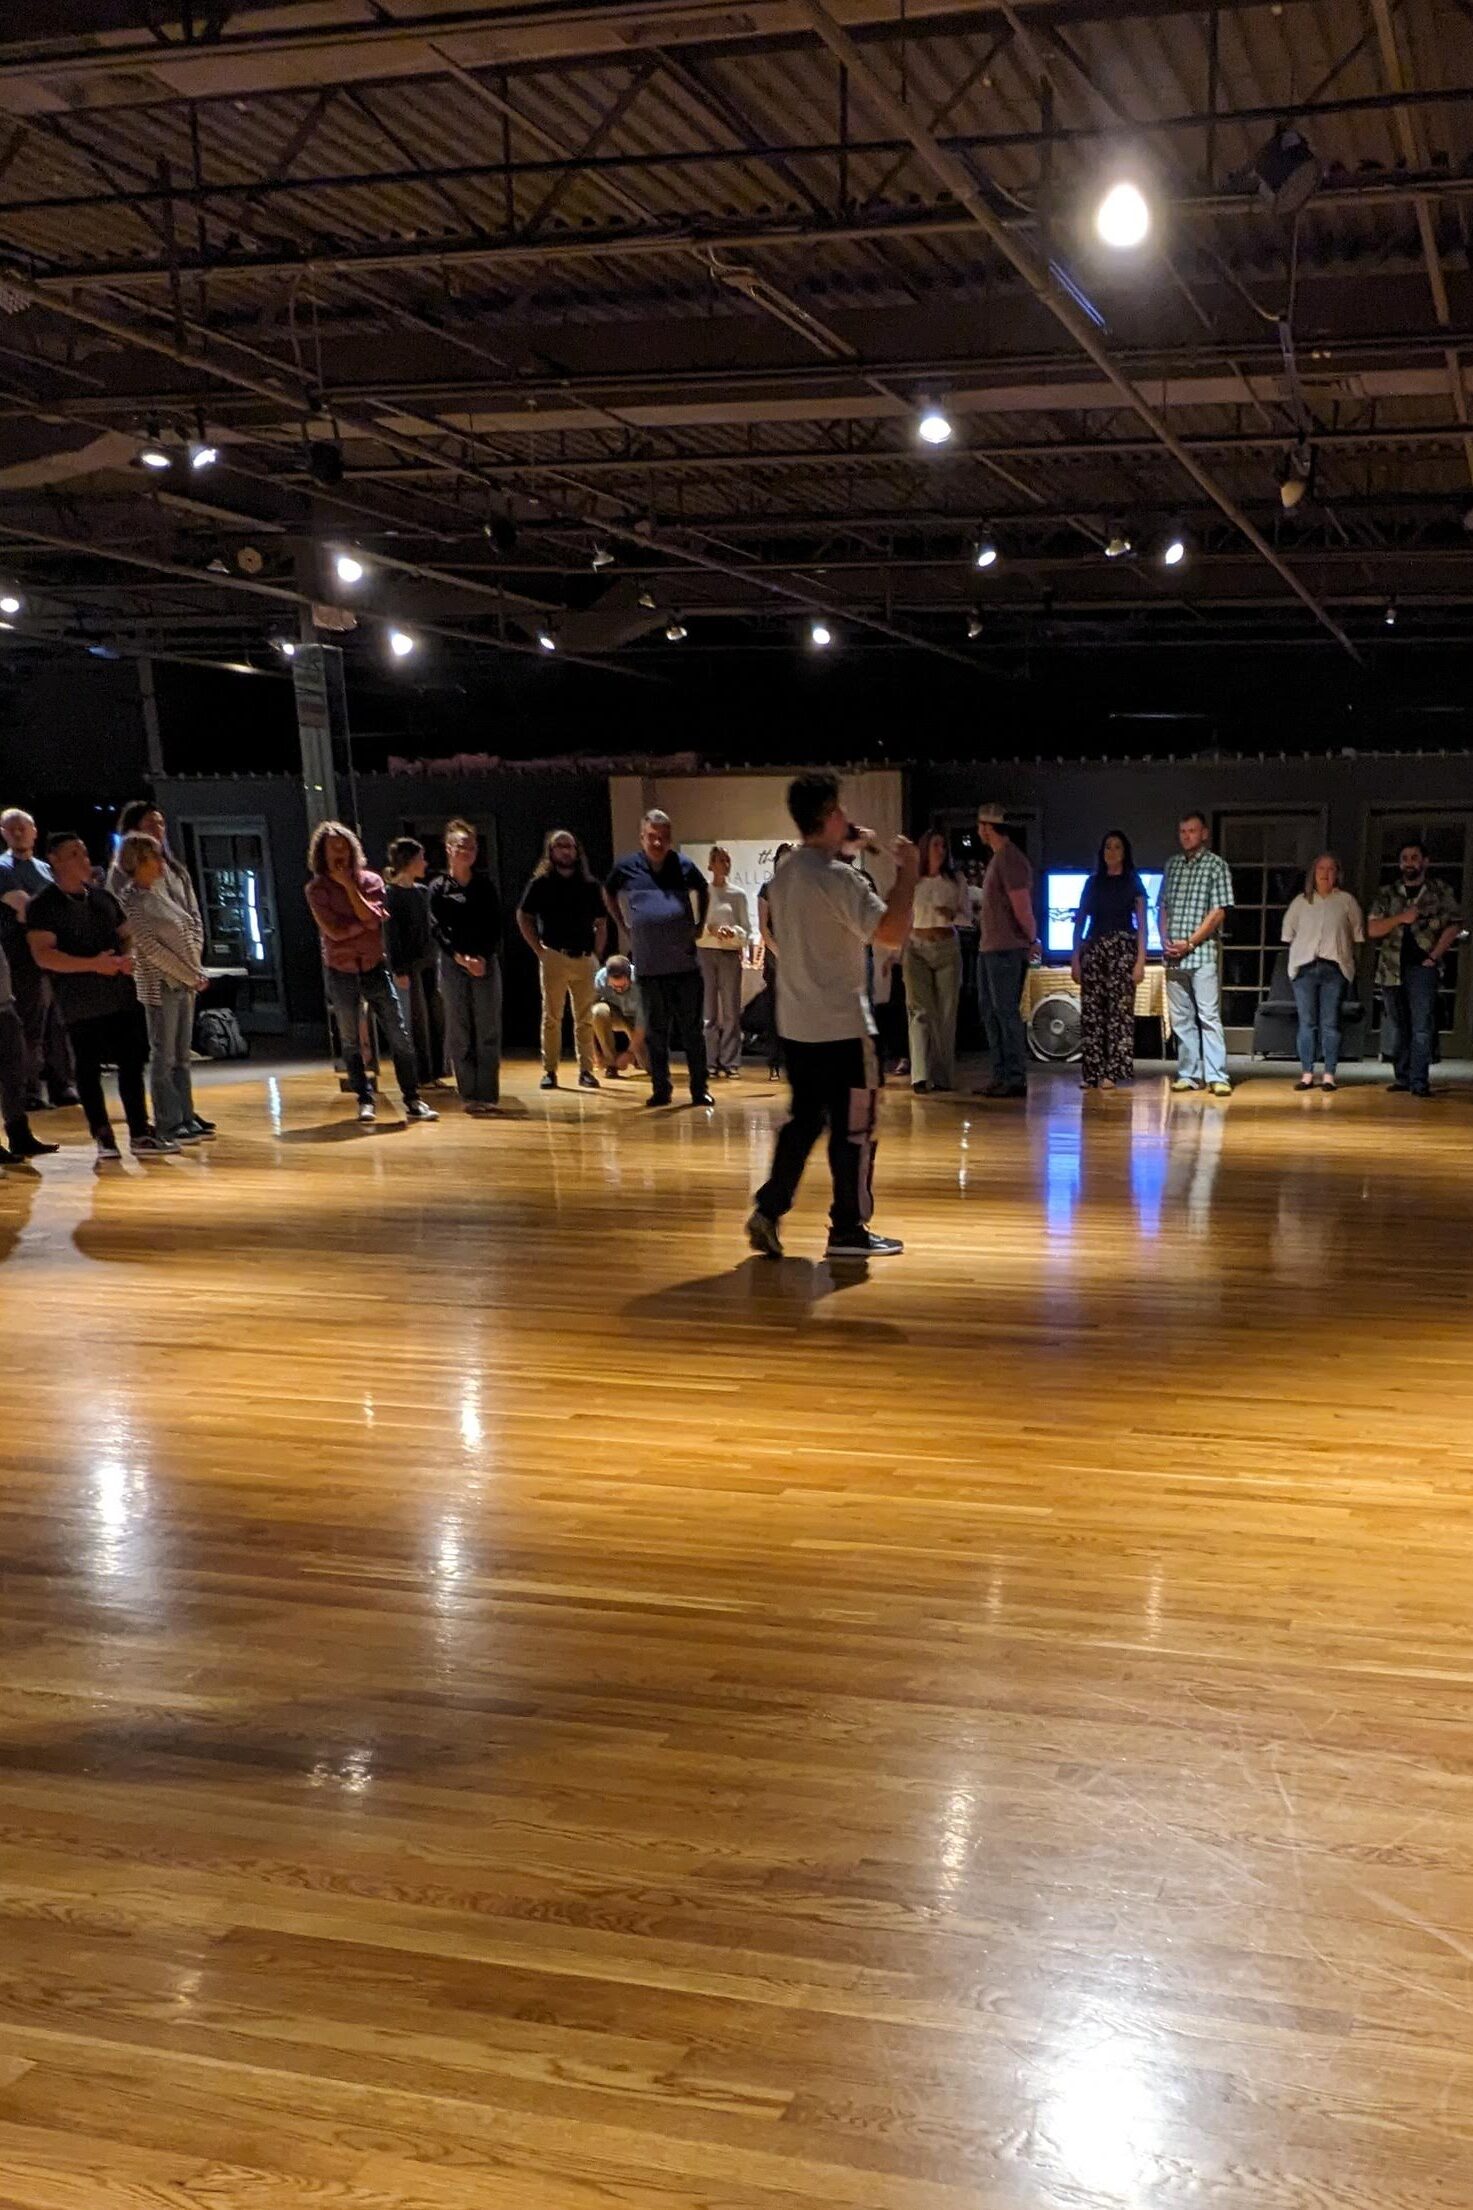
x: 418, y: 1110
x: 152, y: 1146
x: 863, y: 1244
x: 763, y: 1236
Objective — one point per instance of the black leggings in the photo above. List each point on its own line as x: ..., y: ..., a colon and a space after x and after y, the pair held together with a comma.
x: 112, y: 1039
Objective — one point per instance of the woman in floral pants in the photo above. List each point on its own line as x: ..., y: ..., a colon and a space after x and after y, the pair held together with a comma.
x: 1109, y: 962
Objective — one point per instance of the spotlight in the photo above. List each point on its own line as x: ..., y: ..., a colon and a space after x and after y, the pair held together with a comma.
x: 1389, y: 617
x: 974, y: 628
x: 1287, y: 170
x: 602, y: 557
x: 287, y: 647
x: 820, y: 634
x: 153, y: 455
x: 401, y: 644
x: 349, y: 569
x: 203, y: 456
x: 1118, y: 545
x: 676, y: 631
x: 934, y: 427
x: 647, y: 601
x: 984, y: 554
x: 1123, y: 219
x: 1174, y: 551
x: 1296, y: 474
x: 546, y: 639
x: 11, y: 603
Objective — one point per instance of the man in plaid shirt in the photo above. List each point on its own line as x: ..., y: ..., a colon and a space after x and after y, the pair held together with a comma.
x: 1196, y: 891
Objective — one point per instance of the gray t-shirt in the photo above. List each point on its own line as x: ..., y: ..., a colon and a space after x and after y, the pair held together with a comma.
x: 823, y: 913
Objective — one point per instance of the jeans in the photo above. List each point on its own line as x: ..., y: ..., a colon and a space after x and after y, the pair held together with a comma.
x: 837, y: 1083
x: 567, y: 975
x: 721, y: 981
x: 1000, y: 978
x: 933, y: 988
x: 473, y: 1028
x: 170, y: 1033
x: 424, y: 1017
x: 1194, y: 1000
x: 1318, y: 988
x: 673, y: 1010
x: 375, y: 987
x: 1409, y: 1027
x: 115, y: 1039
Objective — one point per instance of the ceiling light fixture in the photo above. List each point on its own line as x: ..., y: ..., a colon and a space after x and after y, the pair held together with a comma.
x: 647, y: 601
x: 984, y: 553
x: 153, y: 455
x: 602, y: 557
x: 676, y: 631
x: 934, y: 426
x: 1297, y: 474
x: 1287, y: 169
x: 348, y: 568
x: 819, y: 633
x: 203, y: 456
x: 287, y: 647
x: 546, y: 639
x: 1123, y: 217
x: 1174, y: 551
x: 974, y: 627
x: 1118, y: 545
x: 11, y: 603
x: 1389, y: 617
x: 401, y: 643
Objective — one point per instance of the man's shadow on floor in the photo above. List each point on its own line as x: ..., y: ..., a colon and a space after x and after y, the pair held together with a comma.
x: 783, y: 1294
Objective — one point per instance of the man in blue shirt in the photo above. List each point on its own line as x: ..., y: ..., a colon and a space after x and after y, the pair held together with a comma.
x: 660, y: 898
x: 23, y: 877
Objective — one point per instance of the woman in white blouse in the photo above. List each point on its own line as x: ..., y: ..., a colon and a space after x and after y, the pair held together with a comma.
x: 721, y: 947
x: 1321, y: 928
x: 933, y: 966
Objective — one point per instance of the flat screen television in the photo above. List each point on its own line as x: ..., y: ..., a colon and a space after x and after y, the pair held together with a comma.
x: 1064, y: 891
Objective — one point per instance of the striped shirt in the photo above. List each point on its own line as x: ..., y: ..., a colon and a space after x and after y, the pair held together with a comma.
x: 1193, y: 883
x: 164, y: 939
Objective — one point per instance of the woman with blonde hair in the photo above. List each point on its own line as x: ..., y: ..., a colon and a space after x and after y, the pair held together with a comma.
x: 166, y: 941
x: 465, y: 915
x: 721, y: 947
x: 1321, y: 928
x: 932, y: 966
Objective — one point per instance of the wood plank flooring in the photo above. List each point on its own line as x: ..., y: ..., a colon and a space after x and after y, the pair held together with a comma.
x: 509, y: 1703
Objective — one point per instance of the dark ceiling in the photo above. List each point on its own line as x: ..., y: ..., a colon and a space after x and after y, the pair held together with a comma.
x: 665, y: 286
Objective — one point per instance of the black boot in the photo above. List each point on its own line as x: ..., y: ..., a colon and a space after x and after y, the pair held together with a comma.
x: 24, y: 1144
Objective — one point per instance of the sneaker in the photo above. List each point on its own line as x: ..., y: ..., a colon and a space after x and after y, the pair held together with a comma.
x: 1221, y: 1089
x: 187, y: 1133
x: 762, y: 1234
x: 862, y: 1244
x: 548, y: 1082
x: 1181, y: 1086
x: 366, y: 1110
x: 202, y: 1128
x: 610, y: 1074
x: 588, y: 1080
x: 656, y: 1098
x: 152, y: 1146
x: 107, y: 1146
x: 704, y: 1098
x: 417, y: 1109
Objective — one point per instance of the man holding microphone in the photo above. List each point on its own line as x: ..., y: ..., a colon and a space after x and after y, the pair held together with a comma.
x: 825, y: 914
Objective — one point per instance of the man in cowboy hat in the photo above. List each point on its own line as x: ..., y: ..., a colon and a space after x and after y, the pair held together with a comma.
x: 1009, y: 935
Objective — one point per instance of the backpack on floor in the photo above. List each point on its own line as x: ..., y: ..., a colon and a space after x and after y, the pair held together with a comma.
x: 217, y: 1033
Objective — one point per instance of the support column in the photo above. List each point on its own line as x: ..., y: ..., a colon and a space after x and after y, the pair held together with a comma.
x: 322, y: 726
x: 153, y: 743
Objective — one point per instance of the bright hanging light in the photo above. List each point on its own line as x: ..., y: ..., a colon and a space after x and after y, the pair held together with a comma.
x: 153, y: 455
x: 985, y: 555
x: 1123, y: 218
x: 203, y: 456
x: 348, y: 568
x: 1174, y: 551
x: 1389, y: 617
x: 974, y: 627
x: 934, y: 427
x: 676, y: 631
x: 546, y: 639
x: 11, y: 603
x: 401, y: 643
x: 287, y: 647
x: 819, y: 633
x: 602, y: 557
x: 1118, y: 545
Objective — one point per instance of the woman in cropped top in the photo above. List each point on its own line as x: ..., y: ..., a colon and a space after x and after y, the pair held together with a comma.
x: 933, y: 966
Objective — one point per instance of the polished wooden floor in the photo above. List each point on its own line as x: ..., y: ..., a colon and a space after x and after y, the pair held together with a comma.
x: 508, y: 1703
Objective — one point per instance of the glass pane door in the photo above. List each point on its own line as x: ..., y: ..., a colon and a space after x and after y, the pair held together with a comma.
x: 1269, y: 855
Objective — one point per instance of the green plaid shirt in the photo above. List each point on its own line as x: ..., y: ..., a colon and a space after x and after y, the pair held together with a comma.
x: 1192, y: 886
x: 1436, y: 909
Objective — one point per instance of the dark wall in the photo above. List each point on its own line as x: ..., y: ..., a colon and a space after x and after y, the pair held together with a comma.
x: 71, y: 740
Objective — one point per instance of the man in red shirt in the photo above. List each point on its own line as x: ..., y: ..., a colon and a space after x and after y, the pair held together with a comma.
x: 350, y: 906
x: 1009, y: 935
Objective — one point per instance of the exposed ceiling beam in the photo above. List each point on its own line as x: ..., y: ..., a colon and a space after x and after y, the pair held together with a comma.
x: 955, y: 178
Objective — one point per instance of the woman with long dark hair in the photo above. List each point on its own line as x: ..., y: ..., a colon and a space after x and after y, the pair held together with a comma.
x: 1109, y: 962
x: 932, y: 966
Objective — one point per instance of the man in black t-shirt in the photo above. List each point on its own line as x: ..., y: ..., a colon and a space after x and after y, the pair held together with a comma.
x: 77, y: 935
x: 562, y: 918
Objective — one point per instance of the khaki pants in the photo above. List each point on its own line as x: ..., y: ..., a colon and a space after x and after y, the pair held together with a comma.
x: 565, y: 977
